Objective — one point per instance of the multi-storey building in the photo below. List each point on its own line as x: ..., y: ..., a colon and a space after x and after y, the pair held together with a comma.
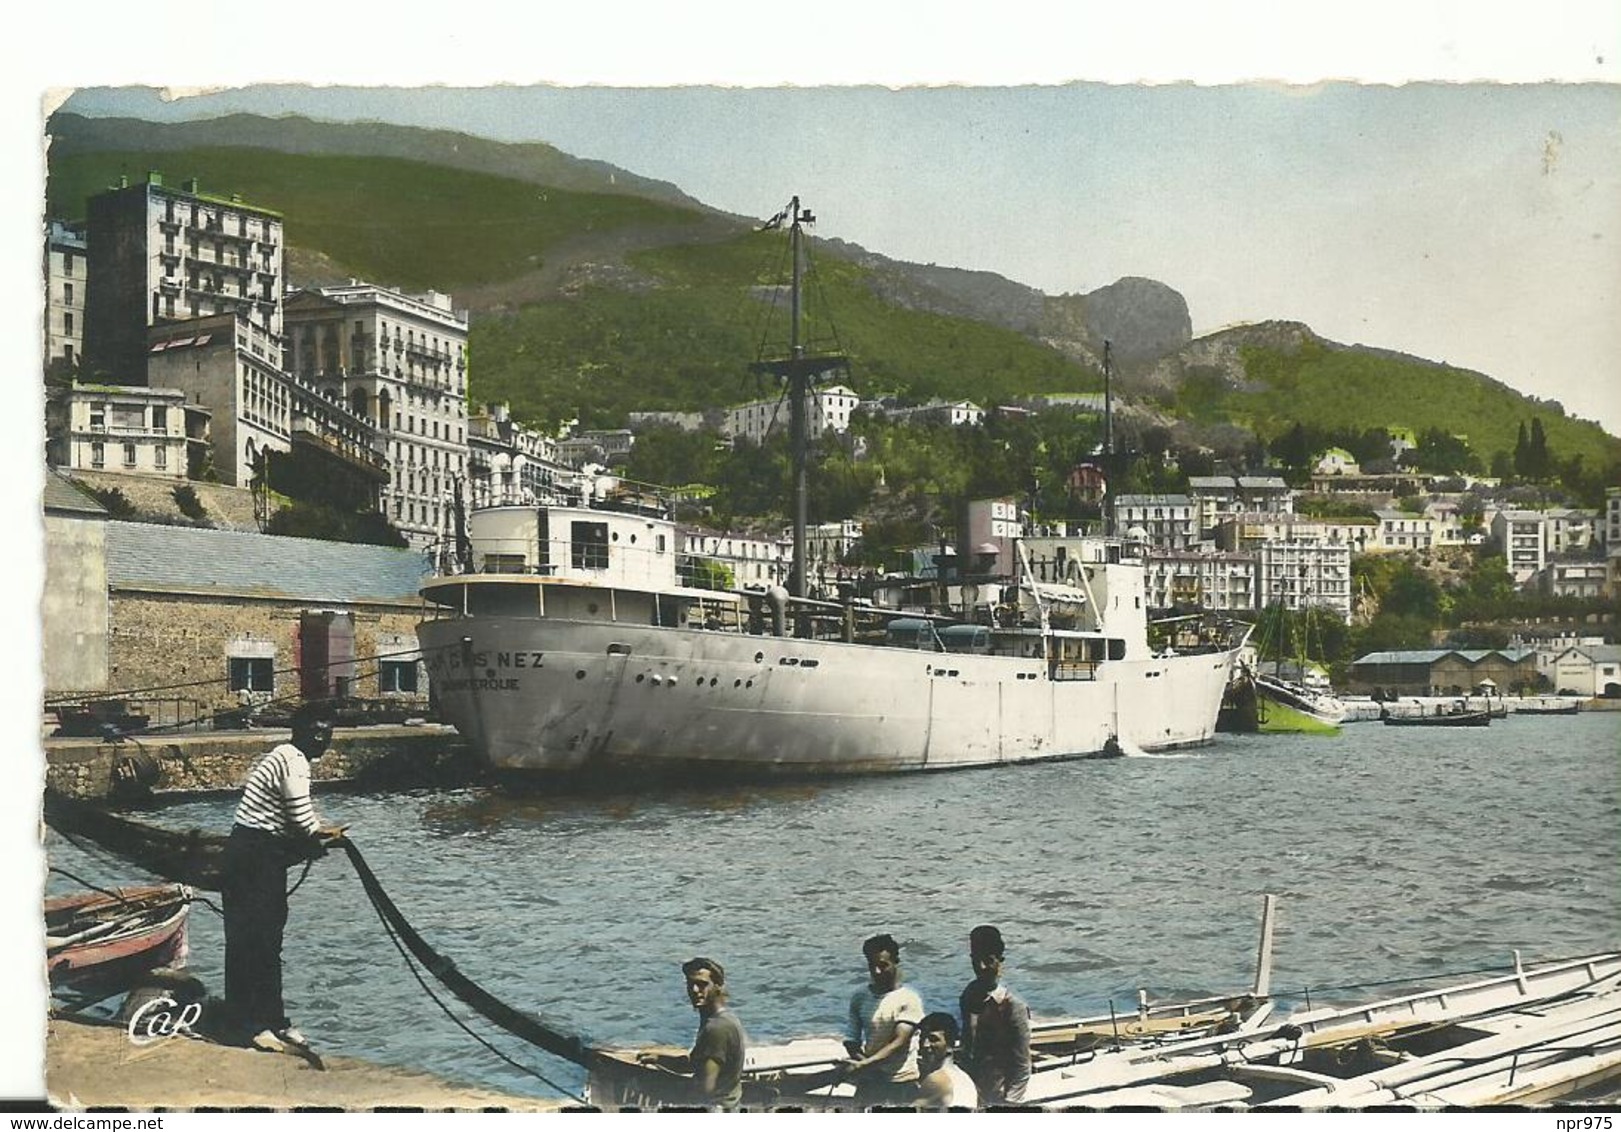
x: 1571, y: 530
x: 1583, y: 578
x: 66, y: 278
x: 828, y: 410
x: 1521, y: 534
x: 753, y: 561
x: 1612, y: 518
x: 506, y: 462
x: 1167, y: 522
x: 399, y: 363
x: 158, y: 254
x: 1248, y: 530
x: 1304, y: 573
x: 224, y: 363
x: 131, y: 429
x: 826, y: 544
x: 1399, y: 530
x: 1216, y: 580
x: 993, y: 524
x: 1214, y: 498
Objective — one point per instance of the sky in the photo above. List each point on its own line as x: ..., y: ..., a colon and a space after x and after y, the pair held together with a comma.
x: 1478, y: 224
x: 1472, y: 225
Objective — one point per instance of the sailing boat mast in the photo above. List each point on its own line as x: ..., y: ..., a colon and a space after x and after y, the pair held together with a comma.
x: 799, y: 371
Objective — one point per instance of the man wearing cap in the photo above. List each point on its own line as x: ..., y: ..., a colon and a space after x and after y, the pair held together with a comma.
x: 995, y: 1024
x: 275, y: 828
x: 716, y: 1058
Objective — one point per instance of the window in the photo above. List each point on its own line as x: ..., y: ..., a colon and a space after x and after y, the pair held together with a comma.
x: 98, y: 454
x: 67, y: 293
x: 160, y: 456
x: 67, y: 263
x: 67, y: 322
x: 129, y: 455
x: 397, y: 676
x: 589, y: 546
x: 253, y: 673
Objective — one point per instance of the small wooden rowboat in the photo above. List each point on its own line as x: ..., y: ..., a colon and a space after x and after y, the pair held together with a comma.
x: 1445, y: 719
x: 101, y: 941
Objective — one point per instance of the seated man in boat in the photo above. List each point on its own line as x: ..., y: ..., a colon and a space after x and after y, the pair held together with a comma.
x: 275, y: 828
x: 941, y: 1084
x: 995, y: 1024
x: 883, y: 1016
x: 716, y: 1058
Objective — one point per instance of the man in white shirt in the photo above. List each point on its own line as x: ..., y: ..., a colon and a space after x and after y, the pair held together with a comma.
x: 883, y: 1016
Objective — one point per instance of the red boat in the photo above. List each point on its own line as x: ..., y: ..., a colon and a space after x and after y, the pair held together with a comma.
x: 98, y: 943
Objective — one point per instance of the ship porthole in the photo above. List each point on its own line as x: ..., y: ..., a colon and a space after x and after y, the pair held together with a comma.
x: 640, y: 677
x: 712, y: 681
x: 750, y: 684
x: 758, y: 657
x: 737, y: 683
x: 579, y: 674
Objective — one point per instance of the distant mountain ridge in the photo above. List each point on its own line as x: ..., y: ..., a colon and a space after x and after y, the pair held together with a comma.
x: 1142, y: 318
x: 607, y: 291
x: 534, y: 162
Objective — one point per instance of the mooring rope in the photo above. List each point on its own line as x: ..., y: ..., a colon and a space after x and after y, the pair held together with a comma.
x: 493, y: 1009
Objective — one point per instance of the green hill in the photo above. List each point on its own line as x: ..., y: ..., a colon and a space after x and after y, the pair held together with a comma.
x: 404, y: 223
x: 1270, y: 376
x: 592, y: 291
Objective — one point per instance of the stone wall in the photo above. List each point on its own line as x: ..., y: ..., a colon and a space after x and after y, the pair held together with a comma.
x: 369, y: 757
x: 181, y: 643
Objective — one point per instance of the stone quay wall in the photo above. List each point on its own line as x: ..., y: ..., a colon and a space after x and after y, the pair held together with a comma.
x: 218, y: 762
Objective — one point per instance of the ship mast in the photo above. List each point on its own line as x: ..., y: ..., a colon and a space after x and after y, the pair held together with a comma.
x: 799, y: 372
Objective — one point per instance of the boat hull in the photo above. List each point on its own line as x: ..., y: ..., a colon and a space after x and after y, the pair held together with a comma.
x: 607, y: 698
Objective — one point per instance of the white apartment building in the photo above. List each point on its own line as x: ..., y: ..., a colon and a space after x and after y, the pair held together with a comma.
x: 1215, y: 498
x: 158, y: 254
x: 230, y: 367
x: 1216, y: 580
x: 1167, y: 522
x: 829, y: 411
x: 1303, y: 574
x: 826, y: 544
x: 1569, y: 529
x: 1399, y: 530
x: 1246, y: 531
x: 1521, y: 534
x: 753, y: 561
x: 66, y: 277
x: 1583, y: 578
x: 130, y: 429
x: 506, y: 462
x: 399, y: 362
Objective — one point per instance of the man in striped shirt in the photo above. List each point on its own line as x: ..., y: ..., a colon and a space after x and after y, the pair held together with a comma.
x: 276, y: 827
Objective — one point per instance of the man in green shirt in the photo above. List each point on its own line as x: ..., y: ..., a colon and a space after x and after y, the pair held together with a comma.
x: 716, y: 1058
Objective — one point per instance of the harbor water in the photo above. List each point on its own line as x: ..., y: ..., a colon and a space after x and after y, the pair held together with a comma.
x: 1399, y: 855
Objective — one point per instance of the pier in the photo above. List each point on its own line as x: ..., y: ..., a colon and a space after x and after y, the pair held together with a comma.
x: 173, y: 766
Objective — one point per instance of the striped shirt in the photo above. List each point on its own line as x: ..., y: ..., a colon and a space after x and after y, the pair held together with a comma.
x: 276, y: 798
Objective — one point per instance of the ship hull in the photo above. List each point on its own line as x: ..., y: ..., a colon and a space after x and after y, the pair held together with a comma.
x: 625, y: 701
